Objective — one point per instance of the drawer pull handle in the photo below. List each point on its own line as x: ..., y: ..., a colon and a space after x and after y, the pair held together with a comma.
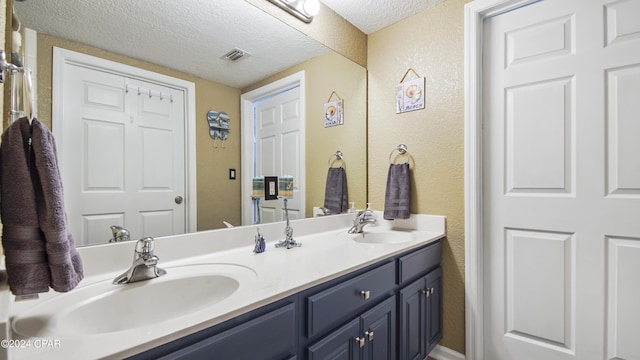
x: 360, y: 341
x: 369, y: 335
x: 428, y: 292
x: 365, y: 294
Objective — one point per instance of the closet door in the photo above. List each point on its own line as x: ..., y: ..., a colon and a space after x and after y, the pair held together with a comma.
x: 123, y: 156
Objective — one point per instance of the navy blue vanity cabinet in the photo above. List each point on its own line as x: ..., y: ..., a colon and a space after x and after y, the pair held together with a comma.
x: 420, y: 315
x: 268, y: 333
x: 371, y: 336
x: 388, y: 310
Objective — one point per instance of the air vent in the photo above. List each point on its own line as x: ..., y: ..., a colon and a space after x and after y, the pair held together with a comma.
x: 235, y: 55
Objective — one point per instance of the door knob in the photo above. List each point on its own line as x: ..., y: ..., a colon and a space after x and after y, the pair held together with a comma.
x: 178, y: 199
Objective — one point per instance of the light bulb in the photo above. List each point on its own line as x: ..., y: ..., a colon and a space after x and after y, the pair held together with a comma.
x: 311, y: 7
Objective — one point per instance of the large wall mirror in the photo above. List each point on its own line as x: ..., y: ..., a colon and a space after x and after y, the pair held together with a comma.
x: 187, y: 41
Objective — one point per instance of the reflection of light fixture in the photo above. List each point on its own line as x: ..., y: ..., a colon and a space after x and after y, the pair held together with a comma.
x: 302, y: 9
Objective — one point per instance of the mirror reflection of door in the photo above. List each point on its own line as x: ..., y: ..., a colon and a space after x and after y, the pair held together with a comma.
x: 106, y: 118
x: 277, y: 150
x: 271, y: 112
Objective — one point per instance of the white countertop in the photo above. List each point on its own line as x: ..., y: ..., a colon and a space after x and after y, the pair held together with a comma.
x: 324, y: 255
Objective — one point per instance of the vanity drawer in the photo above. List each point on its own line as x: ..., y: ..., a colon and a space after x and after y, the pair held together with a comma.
x: 333, y: 305
x: 419, y: 262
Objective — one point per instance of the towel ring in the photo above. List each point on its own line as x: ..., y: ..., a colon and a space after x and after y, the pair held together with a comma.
x: 402, y: 150
x: 339, y: 157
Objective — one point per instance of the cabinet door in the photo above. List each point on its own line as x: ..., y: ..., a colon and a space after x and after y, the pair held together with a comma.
x: 270, y: 336
x: 339, y: 345
x: 413, y: 329
x: 434, y: 308
x: 379, y: 330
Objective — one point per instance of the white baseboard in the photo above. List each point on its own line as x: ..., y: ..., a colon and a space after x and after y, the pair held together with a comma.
x: 443, y: 353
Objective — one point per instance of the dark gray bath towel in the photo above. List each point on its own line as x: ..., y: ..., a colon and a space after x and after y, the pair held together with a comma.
x: 335, y: 193
x: 39, y: 250
x: 398, y: 193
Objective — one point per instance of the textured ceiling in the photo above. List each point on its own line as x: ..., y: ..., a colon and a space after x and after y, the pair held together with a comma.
x: 191, y: 36
x: 372, y: 15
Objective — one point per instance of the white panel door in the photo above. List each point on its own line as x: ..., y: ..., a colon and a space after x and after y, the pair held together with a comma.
x: 123, y: 159
x: 561, y: 181
x: 278, y: 141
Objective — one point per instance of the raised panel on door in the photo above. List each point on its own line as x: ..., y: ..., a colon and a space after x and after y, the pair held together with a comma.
x: 379, y: 330
x: 338, y: 345
x: 623, y: 128
x: 434, y: 308
x: 623, y: 296
x: 413, y: 331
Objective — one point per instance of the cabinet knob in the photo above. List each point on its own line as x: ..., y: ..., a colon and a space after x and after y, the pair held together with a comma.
x: 369, y: 335
x: 365, y: 294
x: 360, y: 341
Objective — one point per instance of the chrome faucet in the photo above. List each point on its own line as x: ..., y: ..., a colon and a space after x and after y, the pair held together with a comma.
x: 119, y: 234
x: 144, y: 265
x: 363, y: 218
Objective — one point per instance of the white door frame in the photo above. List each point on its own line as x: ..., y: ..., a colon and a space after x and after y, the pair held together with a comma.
x: 64, y: 56
x: 246, y: 129
x: 474, y: 15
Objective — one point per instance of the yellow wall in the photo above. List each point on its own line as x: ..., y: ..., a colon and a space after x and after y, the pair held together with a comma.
x: 432, y: 43
x: 217, y: 195
x: 324, y: 74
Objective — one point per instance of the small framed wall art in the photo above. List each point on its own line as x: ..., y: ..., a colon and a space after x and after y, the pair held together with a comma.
x: 334, y: 111
x: 410, y: 94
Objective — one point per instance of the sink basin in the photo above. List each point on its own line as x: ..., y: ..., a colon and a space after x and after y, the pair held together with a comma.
x: 375, y: 235
x: 103, y: 308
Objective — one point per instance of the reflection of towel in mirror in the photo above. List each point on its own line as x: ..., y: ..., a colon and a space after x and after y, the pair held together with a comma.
x: 398, y: 193
x: 39, y: 250
x: 335, y: 193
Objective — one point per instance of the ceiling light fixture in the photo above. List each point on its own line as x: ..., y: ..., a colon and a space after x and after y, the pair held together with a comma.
x: 304, y: 10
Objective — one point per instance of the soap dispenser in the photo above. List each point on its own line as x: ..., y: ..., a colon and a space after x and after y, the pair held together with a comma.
x: 259, y: 243
x: 368, y: 213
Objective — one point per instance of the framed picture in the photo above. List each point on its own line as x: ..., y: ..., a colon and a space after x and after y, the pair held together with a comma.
x: 410, y: 95
x: 334, y: 113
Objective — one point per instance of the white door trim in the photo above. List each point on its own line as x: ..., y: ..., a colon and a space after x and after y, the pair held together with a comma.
x: 246, y: 130
x: 474, y: 15
x: 64, y: 56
